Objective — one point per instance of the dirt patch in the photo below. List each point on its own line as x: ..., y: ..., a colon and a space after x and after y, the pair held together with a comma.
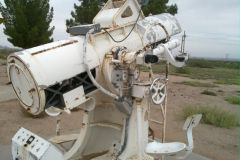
x: 12, y: 118
x: 212, y: 142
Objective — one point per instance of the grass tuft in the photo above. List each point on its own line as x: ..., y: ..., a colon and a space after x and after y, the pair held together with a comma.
x: 212, y: 115
x: 223, y: 72
x: 203, y: 63
x: 233, y: 100
x: 197, y: 84
x: 210, y: 93
x: 227, y: 81
x: 200, y: 63
x: 182, y: 70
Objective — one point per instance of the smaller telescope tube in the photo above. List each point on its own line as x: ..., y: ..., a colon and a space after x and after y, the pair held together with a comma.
x: 170, y: 45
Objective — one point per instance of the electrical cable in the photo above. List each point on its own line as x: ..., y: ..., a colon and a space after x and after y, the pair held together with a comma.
x: 86, y: 65
x: 88, y: 69
x: 119, y: 41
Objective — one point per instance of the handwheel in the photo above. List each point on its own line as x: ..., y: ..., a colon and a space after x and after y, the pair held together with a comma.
x: 158, y: 90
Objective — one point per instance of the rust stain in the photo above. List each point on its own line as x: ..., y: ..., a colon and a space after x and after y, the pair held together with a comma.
x: 165, y: 30
x: 76, y: 99
x: 32, y: 90
x: 12, y: 61
x: 45, y: 50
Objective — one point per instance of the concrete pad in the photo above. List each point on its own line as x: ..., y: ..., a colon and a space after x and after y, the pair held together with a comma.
x: 192, y: 156
x: 7, y: 93
x: 5, y: 153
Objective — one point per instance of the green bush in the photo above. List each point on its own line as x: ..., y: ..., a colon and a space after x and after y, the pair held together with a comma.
x: 200, y: 63
x: 223, y: 72
x: 227, y: 81
x: 208, y: 93
x: 183, y: 70
x: 212, y: 115
x: 233, y: 100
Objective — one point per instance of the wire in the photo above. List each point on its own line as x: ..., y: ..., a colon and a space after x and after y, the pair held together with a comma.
x: 119, y: 41
x: 88, y: 69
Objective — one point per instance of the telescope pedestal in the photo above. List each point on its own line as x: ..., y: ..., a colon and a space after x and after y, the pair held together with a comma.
x: 107, y: 130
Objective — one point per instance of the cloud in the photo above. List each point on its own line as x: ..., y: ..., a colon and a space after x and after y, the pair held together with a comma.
x: 212, y: 26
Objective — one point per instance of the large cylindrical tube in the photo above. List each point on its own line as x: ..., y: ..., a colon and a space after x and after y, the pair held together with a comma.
x: 34, y: 70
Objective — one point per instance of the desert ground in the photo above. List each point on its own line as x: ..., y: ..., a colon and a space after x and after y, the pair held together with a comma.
x: 213, y: 142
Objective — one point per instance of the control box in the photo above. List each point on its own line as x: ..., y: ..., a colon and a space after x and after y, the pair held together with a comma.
x: 28, y: 146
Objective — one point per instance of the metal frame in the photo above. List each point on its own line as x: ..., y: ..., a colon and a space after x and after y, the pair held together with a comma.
x: 80, y: 79
x: 163, y: 107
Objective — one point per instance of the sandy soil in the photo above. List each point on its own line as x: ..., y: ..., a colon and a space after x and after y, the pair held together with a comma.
x: 215, y: 143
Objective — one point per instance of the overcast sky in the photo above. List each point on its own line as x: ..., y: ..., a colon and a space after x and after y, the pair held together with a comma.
x: 212, y: 26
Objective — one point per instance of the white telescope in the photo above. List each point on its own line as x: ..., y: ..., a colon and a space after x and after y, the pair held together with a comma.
x: 96, y: 71
x: 36, y: 72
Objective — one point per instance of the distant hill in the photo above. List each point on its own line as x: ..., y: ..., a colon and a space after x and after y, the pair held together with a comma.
x: 217, y: 59
x: 5, y: 51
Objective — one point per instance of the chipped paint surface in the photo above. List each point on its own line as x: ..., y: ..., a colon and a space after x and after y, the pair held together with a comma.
x: 116, y: 13
x: 60, y: 45
x: 159, y: 27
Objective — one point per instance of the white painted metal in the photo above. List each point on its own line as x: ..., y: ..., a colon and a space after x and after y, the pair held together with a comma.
x: 163, y: 51
x: 190, y: 123
x: 139, y: 128
x: 140, y: 90
x: 158, y: 90
x: 106, y: 17
x: 156, y: 149
x: 31, y: 97
x: 52, y: 63
x: 28, y: 146
x: 153, y: 28
x: 159, y: 50
x: 56, y: 61
x: 53, y: 111
x: 131, y: 148
x: 118, y: 13
x: 115, y: 117
x: 74, y: 98
x: 172, y: 60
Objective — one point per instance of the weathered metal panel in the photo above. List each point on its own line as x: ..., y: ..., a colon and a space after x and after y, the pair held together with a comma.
x: 118, y: 13
x: 28, y: 146
x: 57, y: 61
x: 74, y: 97
x: 83, y: 29
x: 158, y: 27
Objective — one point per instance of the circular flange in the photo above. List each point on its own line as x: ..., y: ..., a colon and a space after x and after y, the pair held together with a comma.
x: 31, y: 98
